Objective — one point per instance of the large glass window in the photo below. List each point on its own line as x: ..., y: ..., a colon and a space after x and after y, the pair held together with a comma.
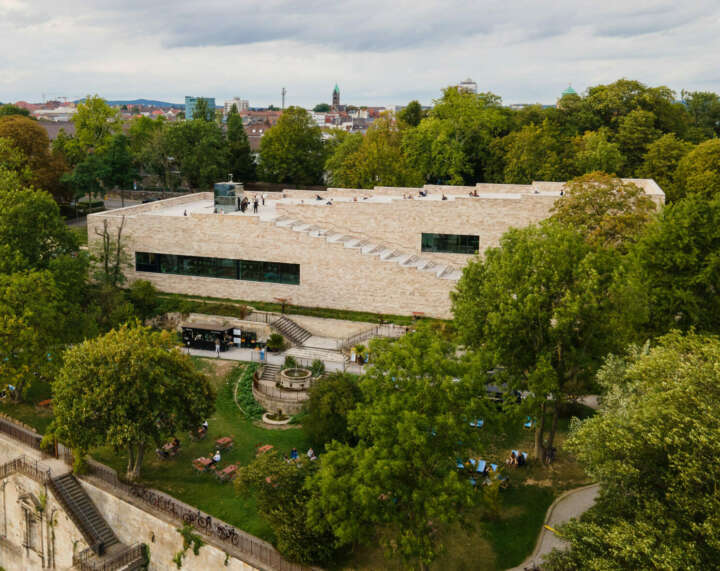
x: 249, y: 270
x: 450, y: 243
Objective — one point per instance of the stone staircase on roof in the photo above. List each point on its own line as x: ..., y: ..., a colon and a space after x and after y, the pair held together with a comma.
x: 368, y: 247
x: 291, y: 330
x: 94, y: 528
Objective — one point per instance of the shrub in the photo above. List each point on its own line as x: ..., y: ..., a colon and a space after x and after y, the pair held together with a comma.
x: 290, y: 363
x: 243, y: 392
x: 276, y: 342
x: 317, y: 368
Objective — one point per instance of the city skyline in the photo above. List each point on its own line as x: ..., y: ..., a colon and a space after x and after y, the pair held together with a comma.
x: 378, y: 54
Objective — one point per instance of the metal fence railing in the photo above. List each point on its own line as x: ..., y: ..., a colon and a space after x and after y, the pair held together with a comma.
x: 27, y: 466
x: 24, y: 435
x: 242, y: 545
x: 85, y: 559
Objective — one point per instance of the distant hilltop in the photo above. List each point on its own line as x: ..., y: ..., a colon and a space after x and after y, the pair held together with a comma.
x: 146, y: 102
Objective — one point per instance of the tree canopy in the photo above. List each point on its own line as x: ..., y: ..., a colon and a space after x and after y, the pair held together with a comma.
x: 548, y: 305
x: 653, y: 449
x: 293, y: 151
x: 608, y: 211
x: 129, y: 389
x: 400, y: 484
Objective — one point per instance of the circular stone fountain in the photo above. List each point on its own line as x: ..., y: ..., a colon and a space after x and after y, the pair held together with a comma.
x: 295, y: 379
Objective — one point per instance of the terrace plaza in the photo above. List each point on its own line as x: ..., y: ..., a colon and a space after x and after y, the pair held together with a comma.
x: 386, y: 250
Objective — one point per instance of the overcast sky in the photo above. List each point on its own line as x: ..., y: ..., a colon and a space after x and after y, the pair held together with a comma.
x: 378, y: 51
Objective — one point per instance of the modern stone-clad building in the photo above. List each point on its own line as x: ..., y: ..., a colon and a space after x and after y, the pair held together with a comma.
x: 386, y: 250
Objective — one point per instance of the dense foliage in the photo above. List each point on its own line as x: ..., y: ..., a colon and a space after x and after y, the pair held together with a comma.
x: 131, y: 389
x: 653, y: 450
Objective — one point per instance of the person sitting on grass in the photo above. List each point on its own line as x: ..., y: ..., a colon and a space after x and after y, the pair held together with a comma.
x: 294, y: 454
x: 216, y: 458
x: 521, y: 461
x: 175, y: 443
x: 512, y: 459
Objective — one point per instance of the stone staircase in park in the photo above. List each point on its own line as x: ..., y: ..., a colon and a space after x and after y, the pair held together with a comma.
x: 81, y: 509
x: 269, y: 372
x: 368, y: 247
x: 291, y: 330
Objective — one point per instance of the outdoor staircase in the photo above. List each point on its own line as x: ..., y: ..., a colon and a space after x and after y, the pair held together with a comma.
x: 291, y: 330
x: 368, y: 247
x: 79, y: 506
x: 270, y: 372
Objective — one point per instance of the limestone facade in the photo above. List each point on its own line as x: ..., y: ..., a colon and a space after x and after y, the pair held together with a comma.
x: 332, y: 274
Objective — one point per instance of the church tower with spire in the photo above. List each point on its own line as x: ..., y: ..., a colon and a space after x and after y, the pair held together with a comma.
x: 336, y: 98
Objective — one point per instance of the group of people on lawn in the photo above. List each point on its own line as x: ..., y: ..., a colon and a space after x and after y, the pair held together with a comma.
x: 295, y: 455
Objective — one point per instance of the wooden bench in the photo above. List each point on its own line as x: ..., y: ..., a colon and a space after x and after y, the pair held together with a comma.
x: 224, y: 443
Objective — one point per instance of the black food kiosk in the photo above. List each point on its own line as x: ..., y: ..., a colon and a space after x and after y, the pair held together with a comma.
x: 204, y: 336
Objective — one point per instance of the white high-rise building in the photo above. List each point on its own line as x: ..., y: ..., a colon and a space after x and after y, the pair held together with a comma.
x: 468, y: 85
x: 242, y: 105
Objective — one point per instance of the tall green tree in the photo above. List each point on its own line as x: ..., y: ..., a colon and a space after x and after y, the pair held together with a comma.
x: 95, y: 124
x: 130, y: 389
x: 661, y: 162
x: 377, y: 159
x: 203, y: 111
x: 653, y: 449
x: 635, y: 133
x: 32, y: 232
x: 547, y: 304
x: 31, y: 329
x: 282, y: 500
x: 467, y: 122
x: 330, y: 400
x: 533, y: 153
x: 241, y: 160
x: 293, y: 151
x: 43, y: 167
x: 698, y: 172
x: 678, y: 263
x: 411, y: 114
x: 400, y: 484
x: 608, y: 211
x: 199, y: 149
x: 594, y: 152
x: 704, y: 109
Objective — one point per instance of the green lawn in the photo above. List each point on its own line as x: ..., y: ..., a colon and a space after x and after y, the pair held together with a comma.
x: 177, y: 477
x: 486, y: 545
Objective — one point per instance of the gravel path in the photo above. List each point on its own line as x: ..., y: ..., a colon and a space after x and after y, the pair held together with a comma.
x: 569, y: 505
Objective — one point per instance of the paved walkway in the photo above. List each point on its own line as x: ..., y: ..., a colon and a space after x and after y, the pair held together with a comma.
x: 569, y: 505
x: 251, y: 355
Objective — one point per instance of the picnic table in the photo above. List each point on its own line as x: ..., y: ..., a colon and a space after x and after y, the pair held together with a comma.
x: 224, y: 443
x: 227, y: 473
x: 264, y: 449
x: 170, y: 448
x: 202, y: 464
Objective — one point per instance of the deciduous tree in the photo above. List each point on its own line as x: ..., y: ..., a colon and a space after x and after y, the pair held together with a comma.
x: 606, y: 210
x: 548, y: 305
x: 400, y: 484
x: 652, y: 448
x: 661, y: 162
x: 678, y: 261
x: 130, y: 389
x: 293, y: 151
x: 282, y: 499
x: 699, y: 171
x: 331, y: 399
x: 241, y: 160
